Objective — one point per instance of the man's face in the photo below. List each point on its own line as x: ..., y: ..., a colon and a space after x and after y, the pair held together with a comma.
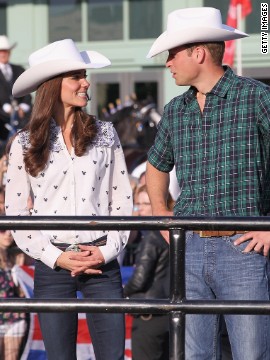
x: 4, y: 56
x: 182, y: 66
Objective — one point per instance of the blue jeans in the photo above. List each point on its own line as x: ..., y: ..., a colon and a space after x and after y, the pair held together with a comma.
x: 216, y: 269
x: 59, y: 330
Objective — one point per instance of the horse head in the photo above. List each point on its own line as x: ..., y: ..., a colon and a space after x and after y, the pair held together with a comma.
x: 135, y: 123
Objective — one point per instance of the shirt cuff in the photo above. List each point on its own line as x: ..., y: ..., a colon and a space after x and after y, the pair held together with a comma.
x: 50, y: 255
x: 108, y: 254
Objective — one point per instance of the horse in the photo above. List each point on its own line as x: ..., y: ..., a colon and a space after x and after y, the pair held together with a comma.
x: 136, y: 125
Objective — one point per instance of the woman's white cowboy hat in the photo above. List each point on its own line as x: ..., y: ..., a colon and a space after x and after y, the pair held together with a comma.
x: 56, y: 58
x: 5, y: 44
x: 192, y: 25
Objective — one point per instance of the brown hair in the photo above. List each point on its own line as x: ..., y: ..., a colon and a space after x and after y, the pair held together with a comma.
x: 83, y: 131
x: 216, y: 50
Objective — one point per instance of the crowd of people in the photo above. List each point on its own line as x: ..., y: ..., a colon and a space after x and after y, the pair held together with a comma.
x: 216, y: 138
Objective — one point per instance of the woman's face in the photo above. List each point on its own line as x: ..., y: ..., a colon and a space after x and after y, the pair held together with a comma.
x: 143, y: 203
x: 6, y: 239
x: 74, y: 89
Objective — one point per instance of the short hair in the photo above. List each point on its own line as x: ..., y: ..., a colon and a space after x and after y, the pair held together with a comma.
x: 216, y: 50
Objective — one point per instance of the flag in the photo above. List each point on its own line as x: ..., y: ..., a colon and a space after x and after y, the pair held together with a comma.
x: 34, y: 348
x: 246, y: 9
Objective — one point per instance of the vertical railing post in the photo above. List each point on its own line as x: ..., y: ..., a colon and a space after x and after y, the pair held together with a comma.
x: 177, y: 293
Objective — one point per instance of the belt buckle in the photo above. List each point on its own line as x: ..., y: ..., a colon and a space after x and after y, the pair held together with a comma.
x: 202, y: 234
x: 73, y: 247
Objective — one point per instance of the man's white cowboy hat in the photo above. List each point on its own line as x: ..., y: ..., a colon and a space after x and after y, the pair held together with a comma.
x: 191, y: 25
x: 56, y: 58
x: 5, y: 44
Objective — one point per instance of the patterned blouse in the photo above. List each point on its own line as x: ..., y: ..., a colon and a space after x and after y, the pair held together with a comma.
x: 95, y: 184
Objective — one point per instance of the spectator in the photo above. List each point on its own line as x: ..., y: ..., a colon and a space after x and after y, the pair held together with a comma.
x: 14, y: 113
x: 13, y: 325
x: 2, y: 201
x: 150, y: 280
x: 3, y: 171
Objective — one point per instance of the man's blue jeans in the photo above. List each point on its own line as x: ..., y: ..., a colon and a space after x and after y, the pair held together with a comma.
x: 216, y: 269
x: 59, y: 330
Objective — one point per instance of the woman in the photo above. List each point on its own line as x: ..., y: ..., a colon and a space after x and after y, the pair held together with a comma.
x: 72, y: 164
x: 12, y: 325
x: 150, y: 280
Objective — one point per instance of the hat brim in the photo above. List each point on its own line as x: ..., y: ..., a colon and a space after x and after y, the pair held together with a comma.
x: 31, y: 78
x: 8, y: 47
x: 167, y: 41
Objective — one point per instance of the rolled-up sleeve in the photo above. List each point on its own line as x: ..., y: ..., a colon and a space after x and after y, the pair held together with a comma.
x: 160, y: 154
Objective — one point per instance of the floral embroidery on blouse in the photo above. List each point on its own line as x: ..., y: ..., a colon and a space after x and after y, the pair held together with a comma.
x: 55, y: 145
x: 104, y: 137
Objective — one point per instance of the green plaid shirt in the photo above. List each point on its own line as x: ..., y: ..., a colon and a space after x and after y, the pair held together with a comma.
x: 221, y: 156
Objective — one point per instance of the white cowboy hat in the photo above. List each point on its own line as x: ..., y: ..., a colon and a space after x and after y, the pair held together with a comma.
x: 56, y: 58
x: 5, y: 44
x: 193, y: 25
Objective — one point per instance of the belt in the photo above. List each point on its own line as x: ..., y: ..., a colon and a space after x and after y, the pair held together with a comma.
x: 210, y: 233
x: 75, y: 247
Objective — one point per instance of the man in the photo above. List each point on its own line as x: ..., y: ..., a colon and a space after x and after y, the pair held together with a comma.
x: 13, y: 113
x: 217, y: 134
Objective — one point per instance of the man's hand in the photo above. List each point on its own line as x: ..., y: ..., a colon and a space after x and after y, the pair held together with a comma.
x: 259, y: 242
x: 165, y: 233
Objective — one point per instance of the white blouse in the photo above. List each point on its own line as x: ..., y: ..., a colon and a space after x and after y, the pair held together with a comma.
x: 95, y: 184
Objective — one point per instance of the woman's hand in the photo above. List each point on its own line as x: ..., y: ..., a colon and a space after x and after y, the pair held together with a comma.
x: 85, y: 262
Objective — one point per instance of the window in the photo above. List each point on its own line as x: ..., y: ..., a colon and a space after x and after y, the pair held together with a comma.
x: 106, y: 93
x: 105, y: 20
x: 145, y: 19
x: 3, y: 17
x: 147, y: 91
x: 253, y: 21
x: 65, y: 20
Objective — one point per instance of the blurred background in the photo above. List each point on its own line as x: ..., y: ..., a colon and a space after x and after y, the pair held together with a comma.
x: 123, y: 30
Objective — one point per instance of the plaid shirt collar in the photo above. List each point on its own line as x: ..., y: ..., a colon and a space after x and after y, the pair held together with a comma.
x: 220, y: 89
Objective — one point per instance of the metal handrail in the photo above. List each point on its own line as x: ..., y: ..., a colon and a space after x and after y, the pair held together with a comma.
x: 177, y: 306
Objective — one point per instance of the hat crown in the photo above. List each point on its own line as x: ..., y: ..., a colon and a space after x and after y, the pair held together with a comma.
x: 59, y: 50
x: 192, y: 25
x: 4, y: 43
x: 190, y: 17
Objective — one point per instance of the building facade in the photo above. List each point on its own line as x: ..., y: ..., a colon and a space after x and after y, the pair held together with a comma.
x: 123, y: 30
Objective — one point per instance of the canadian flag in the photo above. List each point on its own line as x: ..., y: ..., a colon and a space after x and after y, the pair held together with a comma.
x: 246, y: 9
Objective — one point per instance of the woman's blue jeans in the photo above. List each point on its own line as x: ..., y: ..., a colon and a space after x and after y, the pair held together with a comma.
x: 59, y: 330
x: 216, y: 269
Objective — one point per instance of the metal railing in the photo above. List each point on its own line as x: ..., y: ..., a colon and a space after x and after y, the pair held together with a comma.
x: 177, y: 306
